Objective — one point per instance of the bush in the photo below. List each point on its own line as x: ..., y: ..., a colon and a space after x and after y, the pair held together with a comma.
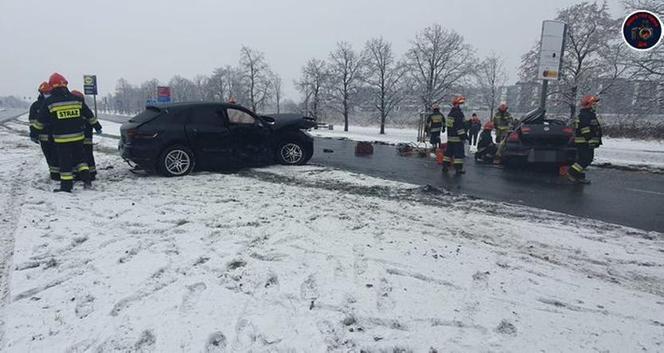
x: 635, y: 129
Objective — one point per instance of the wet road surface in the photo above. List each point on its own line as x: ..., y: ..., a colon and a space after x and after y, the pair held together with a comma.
x: 634, y: 199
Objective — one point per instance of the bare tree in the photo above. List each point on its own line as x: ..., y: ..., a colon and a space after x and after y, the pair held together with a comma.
x: 201, y: 92
x: 256, y: 74
x: 383, y: 75
x: 590, y: 30
x: 438, y: 59
x: 149, y: 89
x: 276, y: 87
x: 182, y: 89
x: 490, y: 75
x: 345, y: 75
x: 312, y: 85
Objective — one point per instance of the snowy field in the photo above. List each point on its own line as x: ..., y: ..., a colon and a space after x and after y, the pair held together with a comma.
x: 309, y: 259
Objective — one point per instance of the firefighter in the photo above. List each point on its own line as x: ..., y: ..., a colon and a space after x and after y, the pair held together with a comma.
x: 456, y: 134
x: 435, y: 125
x: 502, y: 122
x: 486, y: 149
x: 587, y: 137
x: 88, y: 154
x: 65, y: 116
x: 40, y: 135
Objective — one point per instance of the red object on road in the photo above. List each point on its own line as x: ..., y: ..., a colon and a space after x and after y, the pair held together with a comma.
x: 440, y: 153
x: 563, y: 170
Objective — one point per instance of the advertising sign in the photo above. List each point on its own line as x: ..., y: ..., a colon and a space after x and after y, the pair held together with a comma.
x: 551, y: 50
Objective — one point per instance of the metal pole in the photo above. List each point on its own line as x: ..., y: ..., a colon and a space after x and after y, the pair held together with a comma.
x: 95, y: 96
x: 545, y: 86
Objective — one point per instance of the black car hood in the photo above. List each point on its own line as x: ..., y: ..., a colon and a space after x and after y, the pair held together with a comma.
x: 280, y: 121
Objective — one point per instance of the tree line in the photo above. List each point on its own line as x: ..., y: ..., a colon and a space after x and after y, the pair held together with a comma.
x: 438, y: 64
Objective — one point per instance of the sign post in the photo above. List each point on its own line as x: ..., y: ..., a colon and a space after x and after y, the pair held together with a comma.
x: 552, y: 46
x: 90, y: 87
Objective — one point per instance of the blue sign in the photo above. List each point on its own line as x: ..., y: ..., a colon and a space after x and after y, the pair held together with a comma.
x: 164, y: 99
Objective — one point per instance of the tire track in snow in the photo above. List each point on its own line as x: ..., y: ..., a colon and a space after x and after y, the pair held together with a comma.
x: 11, y: 213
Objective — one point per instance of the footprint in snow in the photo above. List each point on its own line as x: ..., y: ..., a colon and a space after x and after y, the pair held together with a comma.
x: 216, y: 343
x: 309, y: 290
x: 84, y: 306
x: 383, y: 299
x: 506, y: 328
x: 245, y: 336
x: 193, y: 292
x: 145, y: 342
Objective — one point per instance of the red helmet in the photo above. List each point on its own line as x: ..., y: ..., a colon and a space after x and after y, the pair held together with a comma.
x: 44, y: 88
x: 56, y: 80
x: 488, y: 125
x: 77, y: 93
x: 502, y: 107
x: 458, y: 100
x: 589, y: 101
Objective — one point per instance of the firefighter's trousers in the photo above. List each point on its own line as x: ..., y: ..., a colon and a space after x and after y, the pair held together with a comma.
x: 89, y: 156
x: 51, y: 156
x: 70, y: 156
x: 454, y: 154
x: 584, y: 156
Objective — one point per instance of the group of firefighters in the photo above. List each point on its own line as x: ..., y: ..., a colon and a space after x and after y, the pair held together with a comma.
x: 62, y: 124
x: 587, y: 135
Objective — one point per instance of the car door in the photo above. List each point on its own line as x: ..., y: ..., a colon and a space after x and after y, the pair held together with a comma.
x: 209, y: 136
x: 250, y: 137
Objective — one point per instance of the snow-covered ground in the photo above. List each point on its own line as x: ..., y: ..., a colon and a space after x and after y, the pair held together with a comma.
x: 309, y: 259
x: 619, y: 152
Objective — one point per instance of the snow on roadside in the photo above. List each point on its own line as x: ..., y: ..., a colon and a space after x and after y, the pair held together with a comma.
x: 314, y: 259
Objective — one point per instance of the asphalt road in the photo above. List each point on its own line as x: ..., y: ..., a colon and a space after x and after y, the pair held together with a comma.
x: 630, y: 198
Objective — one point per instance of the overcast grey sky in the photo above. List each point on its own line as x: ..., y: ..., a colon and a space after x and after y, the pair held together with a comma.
x: 144, y: 39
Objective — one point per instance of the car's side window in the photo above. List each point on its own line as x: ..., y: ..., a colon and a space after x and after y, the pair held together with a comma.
x: 236, y: 116
x: 206, y: 116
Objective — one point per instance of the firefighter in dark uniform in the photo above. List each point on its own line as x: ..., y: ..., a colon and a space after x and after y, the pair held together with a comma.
x: 456, y: 135
x: 65, y: 116
x: 40, y: 135
x: 89, y: 157
x: 486, y: 149
x: 502, y: 122
x: 587, y: 137
x: 435, y: 125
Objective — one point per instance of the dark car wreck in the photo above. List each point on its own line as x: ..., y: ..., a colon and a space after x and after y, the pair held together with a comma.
x: 537, y: 138
x: 175, y: 139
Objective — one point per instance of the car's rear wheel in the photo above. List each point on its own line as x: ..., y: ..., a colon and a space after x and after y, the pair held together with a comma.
x: 176, y: 161
x: 292, y: 152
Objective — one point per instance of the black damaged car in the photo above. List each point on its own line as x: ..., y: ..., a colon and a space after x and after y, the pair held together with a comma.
x: 175, y: 139
x: 537, y: 138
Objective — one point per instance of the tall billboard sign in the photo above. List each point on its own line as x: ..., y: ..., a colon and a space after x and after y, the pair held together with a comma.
x: 551, y: 50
